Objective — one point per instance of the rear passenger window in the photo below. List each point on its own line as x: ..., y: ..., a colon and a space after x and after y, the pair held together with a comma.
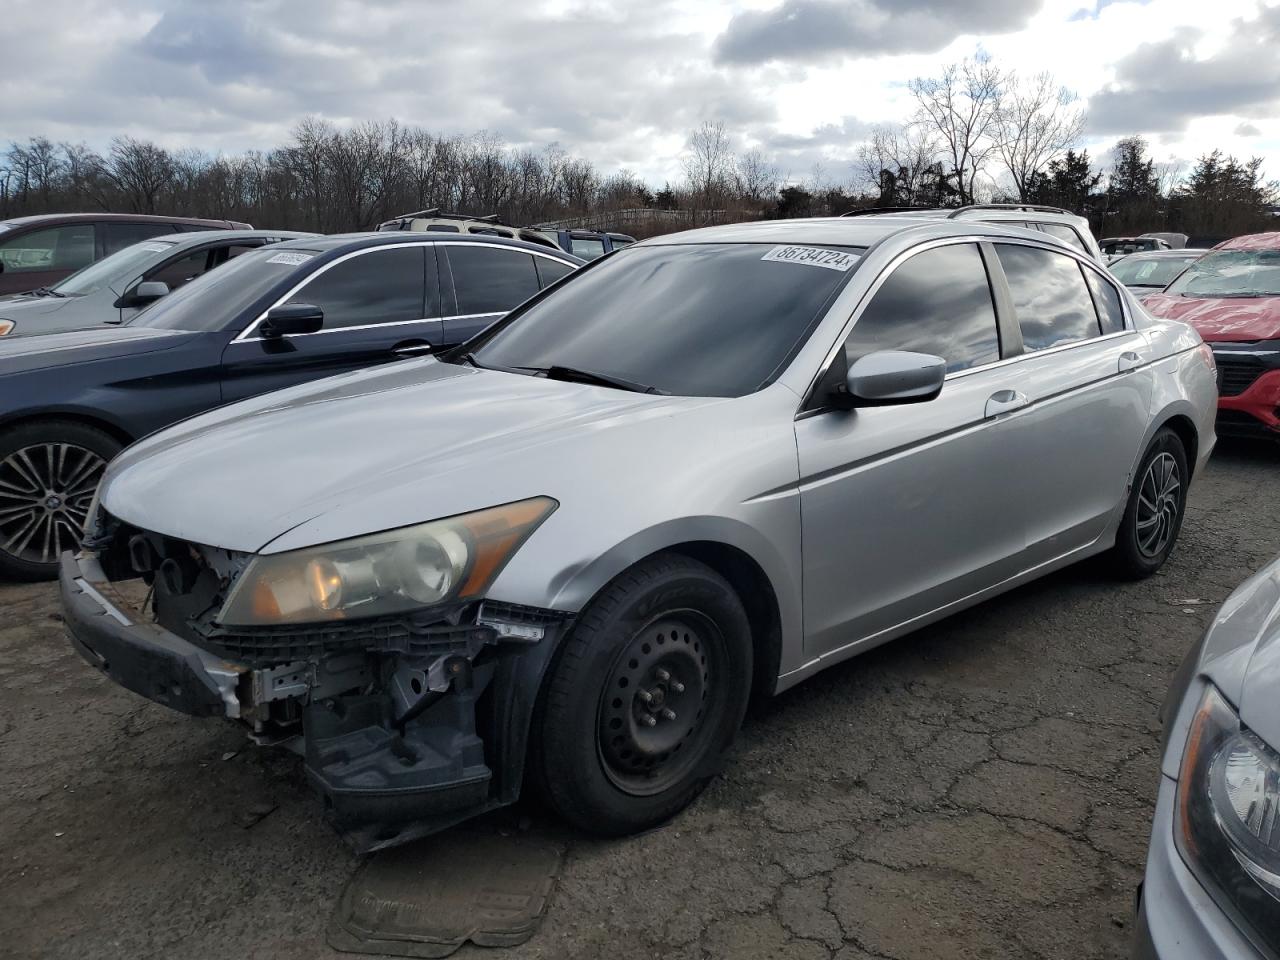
x: 1107, y: 299
x: 549, y: 271
x: 121, y: 235
x: 1063, y: 232
x: 1050, y: 296
x: 937, y: 302
x: 489, y: 280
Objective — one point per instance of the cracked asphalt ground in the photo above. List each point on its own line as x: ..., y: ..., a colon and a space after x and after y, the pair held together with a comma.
x: 982, y: 788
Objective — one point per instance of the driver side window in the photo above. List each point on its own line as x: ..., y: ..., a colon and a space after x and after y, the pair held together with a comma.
x: 937, y: 302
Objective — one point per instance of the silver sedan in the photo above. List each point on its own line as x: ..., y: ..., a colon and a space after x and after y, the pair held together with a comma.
x: 1212, y: 886
x: 705, y: 466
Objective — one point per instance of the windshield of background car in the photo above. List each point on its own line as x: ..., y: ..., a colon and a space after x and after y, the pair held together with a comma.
x: 1231, y: 273
x: 116, y: 270
x: 716, y: 319
x: 1155, y: 272
x: 211, y: 301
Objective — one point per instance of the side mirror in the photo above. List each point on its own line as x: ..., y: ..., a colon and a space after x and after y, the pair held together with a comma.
x: 149, y: 291
x: 894, y: 376
x: 290, y: 318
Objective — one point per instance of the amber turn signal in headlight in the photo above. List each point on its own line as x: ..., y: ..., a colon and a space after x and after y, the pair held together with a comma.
x: 408, y: 568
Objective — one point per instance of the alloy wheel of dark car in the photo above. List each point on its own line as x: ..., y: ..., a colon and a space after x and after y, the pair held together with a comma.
x: 644, y: 697
x: 48, y: 475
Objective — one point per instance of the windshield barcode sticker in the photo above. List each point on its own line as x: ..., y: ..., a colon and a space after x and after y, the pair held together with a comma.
x: 293, y: 259
x: 813, y: 257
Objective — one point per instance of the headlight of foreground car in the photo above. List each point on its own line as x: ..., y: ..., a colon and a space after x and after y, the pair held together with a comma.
x: 1228, y: 821
x: 5, y: 327
x: 385, y: 573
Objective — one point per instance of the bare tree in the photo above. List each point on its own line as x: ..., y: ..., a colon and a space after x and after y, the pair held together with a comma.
x: 709, y: 161
x: 962, y: 108
x: 140, y: 170
x: 756, y: 178
x: 900, y: 164
x: 1039, y: 120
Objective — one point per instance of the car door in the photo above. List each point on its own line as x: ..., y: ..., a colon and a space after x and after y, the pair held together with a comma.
x: 905, y: 509
x: 41, y: 257
x: 485, y: 281
x: 380, y: 304
x: 1087, y: 396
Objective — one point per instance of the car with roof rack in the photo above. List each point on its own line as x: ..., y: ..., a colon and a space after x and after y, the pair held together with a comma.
x: 37, y: 251
x: 568, y: 553
x: 1066, y: 226
x: 1113, y: 248
x: 115, y: 288
x: 271, y: 318
x: 587, y: 244
x: 490, y: 225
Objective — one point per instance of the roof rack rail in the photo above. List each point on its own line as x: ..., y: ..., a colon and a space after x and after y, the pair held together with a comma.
x: 1029, y: 207
x: 434, y: 213
x: 871, y: 211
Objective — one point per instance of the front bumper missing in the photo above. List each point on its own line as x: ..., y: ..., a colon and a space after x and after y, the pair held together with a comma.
x: 392, y: 743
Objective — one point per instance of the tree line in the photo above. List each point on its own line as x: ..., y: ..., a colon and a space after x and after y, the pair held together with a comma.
x: 978, y: 133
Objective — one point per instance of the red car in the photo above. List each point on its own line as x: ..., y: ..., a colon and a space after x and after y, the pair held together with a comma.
x: 1231, y: 296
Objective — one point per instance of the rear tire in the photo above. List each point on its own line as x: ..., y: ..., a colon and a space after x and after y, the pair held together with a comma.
x: 644, y: 697
x: 1153, y: 516
x: 49, y: 471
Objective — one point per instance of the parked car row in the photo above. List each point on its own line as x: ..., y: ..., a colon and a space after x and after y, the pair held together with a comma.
x: 567, y: 551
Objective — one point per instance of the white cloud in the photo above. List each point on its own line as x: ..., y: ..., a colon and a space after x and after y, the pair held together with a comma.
x: 623, y: 81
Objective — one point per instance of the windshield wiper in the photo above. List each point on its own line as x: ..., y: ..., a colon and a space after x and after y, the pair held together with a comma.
x: 574, y: 375
x: 46, y: 292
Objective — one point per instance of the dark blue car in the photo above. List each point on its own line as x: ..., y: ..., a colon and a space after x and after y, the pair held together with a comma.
x: 292, y: 312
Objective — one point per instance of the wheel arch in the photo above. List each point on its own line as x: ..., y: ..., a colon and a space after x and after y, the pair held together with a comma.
x: 107, y: 426
x: 1185, y: 428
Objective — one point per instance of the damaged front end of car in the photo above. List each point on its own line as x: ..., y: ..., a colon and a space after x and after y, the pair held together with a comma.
x: 408, y: 693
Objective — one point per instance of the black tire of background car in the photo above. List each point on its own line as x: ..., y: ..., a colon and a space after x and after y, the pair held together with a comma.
x: 1127, y: 558
x: 569, y: 765
x: 31, y: 435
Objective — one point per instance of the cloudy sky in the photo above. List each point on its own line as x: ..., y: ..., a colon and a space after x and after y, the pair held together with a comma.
x: 622, y: 82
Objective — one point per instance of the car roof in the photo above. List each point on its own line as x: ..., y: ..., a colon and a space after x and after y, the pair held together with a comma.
x: 1165, y: 254
x: 1252, y: 241
x: 196, y: 237
x: 129, y: 217
x: 359, y: 241
x: 842, y: 231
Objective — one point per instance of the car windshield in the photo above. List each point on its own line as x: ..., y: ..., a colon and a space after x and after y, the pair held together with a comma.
x: 212, y: 300
x: 718, y: 319
x: 1231, y: 273
x: 1156, y: 272
x: 116, y: 270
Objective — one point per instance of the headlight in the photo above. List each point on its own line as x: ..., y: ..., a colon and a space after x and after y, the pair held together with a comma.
x: 5, y: 327
x: 1228, y: 821
x: 384, y: 573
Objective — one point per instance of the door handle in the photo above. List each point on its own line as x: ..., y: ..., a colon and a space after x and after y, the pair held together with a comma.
x: 1005, y: 401
x: 413, y: 350
x: 1128, y: 361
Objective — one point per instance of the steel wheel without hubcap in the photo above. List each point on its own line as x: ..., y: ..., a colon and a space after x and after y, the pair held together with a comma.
x: 1158, y: 499
x: 45, y: 493
x: 651, y: 727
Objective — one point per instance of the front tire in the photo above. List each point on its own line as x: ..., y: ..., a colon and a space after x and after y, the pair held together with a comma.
x: 1153, y: 516
x: 645, y: 697
x: 49, y: 471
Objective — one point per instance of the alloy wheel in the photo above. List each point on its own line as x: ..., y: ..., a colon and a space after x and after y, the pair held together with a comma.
x: 45, y: 493
x: 1159, y: 498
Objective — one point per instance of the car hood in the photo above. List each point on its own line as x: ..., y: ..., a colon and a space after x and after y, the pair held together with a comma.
x: 1242, y: 653
x: 1221, y: 318
x: 20, y: 306
x: 369, y: 451
x: 22, y: 354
